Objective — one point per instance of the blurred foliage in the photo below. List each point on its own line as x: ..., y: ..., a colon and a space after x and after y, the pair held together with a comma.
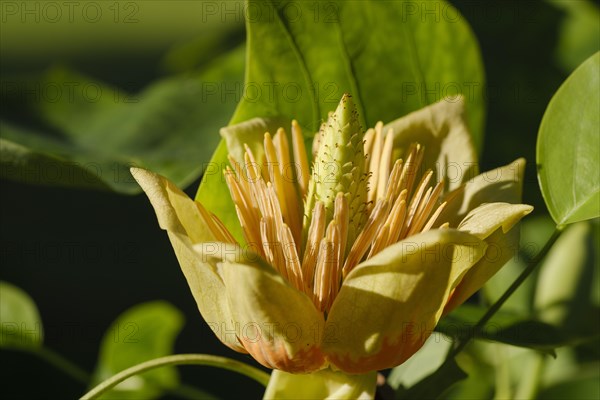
x: 141, y: 333
x: 579, y: 32
x: 162, y: 56
x: 21, y: 325
x: 101, y: 131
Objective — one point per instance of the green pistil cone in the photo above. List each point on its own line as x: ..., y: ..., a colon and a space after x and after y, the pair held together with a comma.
x: 340, y: 167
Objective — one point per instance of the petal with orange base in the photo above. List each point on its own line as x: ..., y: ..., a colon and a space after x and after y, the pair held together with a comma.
x: 390, y: 304
x: 277, y: 324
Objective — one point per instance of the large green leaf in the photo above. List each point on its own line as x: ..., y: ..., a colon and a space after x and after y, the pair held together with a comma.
x: 143, y: 332
x: 393, y: 57
x: 171, y: 128
x: 21, y: 325
x: 568, y: 148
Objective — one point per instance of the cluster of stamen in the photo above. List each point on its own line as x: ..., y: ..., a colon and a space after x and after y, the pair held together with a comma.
x: 270, y: 209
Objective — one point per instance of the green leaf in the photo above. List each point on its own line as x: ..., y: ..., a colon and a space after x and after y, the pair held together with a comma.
x: 561, y: 274
x: 535, y: 231
x: 143, y: 332
x: 480, y: 381
x: 568, y: 147
x: 581, y: 385
x: 436, y: 384
x: 323, y: 51
x: 425, y: 361
x: 170, y: 128
x: 21, y: 325
x: 406, y: 61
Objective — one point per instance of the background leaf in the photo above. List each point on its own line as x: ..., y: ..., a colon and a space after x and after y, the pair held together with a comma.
x: 424, y: 362
x: 510, y: 328
x: 143, y: 332
x: 21, y: 325
x: 559, y: 286
x: 534, y: 234
x: 568, y: 148
x: 579, y: 34
x: 100, y: 131
x: 584, y: 385
x: 436, y: 384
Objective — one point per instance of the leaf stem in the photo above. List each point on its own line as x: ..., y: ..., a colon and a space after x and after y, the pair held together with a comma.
x: 179, y: 359
x: 532, y: 265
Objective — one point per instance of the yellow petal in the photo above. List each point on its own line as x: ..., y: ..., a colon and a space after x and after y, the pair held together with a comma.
x: 442, y: 129
x: 251, y: 133
x: 325, y: 384
x: 208, y: 289
x: 277, y: 324
x: 390, y: 304
x: 486, y: 218
x: 175, y: 211
x: 493, y: 223
x: 502, y: 184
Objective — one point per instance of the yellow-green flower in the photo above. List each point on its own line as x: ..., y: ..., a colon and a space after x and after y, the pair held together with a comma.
x: 352, y: 266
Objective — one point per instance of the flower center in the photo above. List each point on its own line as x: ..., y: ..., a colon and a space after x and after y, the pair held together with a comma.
x: 365, y: 203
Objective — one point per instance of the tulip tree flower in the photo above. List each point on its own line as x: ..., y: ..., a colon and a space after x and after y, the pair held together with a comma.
x: 344, y: 269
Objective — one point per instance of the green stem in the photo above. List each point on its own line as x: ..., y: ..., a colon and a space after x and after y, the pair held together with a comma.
x: 535, y: 261
x: 179, y: 359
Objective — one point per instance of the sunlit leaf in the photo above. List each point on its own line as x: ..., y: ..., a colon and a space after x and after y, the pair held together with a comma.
x: 480, y: 381
x: 21, y: 325
x: 423, y: 363
x: 143, y: 332
x: 568, y: 148
x: 534, y: 234
x: 171, y: 128
x: 561, y: 274
x: 436, y: 384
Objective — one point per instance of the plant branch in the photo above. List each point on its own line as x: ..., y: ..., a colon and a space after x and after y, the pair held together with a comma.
x: 532, y: 265
x: 179, y: 359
